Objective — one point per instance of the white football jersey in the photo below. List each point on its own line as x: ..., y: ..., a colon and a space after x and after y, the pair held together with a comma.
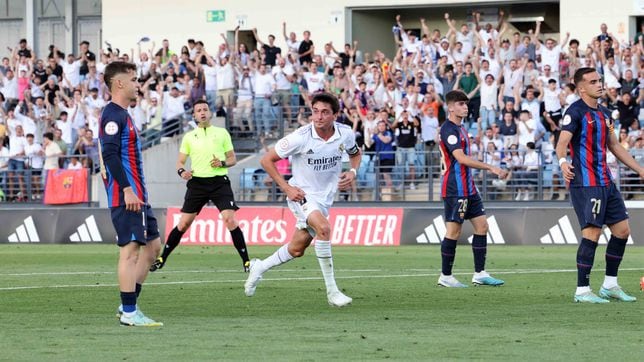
x: 316, y: 164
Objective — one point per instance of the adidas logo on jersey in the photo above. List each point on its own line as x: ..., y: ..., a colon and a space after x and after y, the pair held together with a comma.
x: 563, y: 233
x: 25, y: 233
x: 86, y: 232
x: 435, y: 232
x: 310, y: 152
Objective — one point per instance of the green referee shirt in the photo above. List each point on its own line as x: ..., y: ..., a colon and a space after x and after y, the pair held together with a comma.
x: 201, y: 144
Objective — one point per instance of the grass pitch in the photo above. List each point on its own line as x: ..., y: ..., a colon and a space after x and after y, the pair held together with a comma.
x: 58, y: 302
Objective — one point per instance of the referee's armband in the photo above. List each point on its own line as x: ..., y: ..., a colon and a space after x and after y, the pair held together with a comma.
x: 353, y: 150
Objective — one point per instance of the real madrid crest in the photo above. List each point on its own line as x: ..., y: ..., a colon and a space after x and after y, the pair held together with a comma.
x: 341, y: 148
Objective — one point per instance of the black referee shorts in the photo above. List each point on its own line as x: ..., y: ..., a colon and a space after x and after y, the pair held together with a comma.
x: 204, y: 189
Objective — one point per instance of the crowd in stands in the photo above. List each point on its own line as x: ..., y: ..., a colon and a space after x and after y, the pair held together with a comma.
x: 519, y: 85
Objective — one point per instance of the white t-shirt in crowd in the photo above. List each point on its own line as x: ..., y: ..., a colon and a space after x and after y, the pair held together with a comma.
x: 263, y: 84
x: 489, y: 95
x: 66, y: 128
x: 32, y: 151
x: 314, y: 82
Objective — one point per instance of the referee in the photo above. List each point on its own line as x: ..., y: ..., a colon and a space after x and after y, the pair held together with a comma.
x: 211, y: 151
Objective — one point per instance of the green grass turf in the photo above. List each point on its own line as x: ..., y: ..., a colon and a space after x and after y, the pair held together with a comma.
x: 398, y: 311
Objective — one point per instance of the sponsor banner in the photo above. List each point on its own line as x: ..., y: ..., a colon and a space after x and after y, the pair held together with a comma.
x: 547, y: 226
x: 27, y: 226
x: 275, y: 226
x: 512, y: 226
x: 61, y: 225
x: 66, y: 187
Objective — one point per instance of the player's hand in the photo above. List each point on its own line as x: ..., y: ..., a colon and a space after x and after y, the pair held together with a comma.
x: 132, y: 202
x: 567, y: 171
x: 295, y: 193
x: 499, y: 172
x: 186, y: 175
x: 215, y: 162
x: 345, y: 180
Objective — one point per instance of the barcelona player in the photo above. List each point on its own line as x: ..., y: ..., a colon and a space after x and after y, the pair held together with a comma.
x: 122, y: 170
x: 588, y: 133
x: 460, y: 196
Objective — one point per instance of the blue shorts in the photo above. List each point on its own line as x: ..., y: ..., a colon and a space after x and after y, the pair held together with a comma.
x: 598, y: 205
x: 459, y: 209
x: 140, y: 227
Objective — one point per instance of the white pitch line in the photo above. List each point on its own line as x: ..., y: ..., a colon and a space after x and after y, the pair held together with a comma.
x: 168, y: 272
x: 542, y: 271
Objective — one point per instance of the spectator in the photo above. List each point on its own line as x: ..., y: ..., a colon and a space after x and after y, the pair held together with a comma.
x: 270, y: 50
x: 244, y: 108
x: 508, y: 130
x: 34, y: 161
x: 405, y: 128
x: 264, y: 87
x: 74, y: 163
x: 173, y: 110
x: 4, y: 168
x: 17, y: 147
x: 383, y: 141
x: 52, y: 154
x: 306, y: 49
x: 628, y: 111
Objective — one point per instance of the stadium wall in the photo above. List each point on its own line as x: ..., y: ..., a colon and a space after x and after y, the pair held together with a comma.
x: 274, y: 225
x: 126, y: 21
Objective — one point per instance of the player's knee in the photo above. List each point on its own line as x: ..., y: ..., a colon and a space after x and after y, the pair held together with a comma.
x: 296, y: 252
x: 183, y: 225
x: 622, y: 232
x: 481, y: 229
x: 230, y: 221
x: 323, y: 232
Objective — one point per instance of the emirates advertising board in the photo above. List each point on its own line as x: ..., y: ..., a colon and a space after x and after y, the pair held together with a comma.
x: 275, y: 226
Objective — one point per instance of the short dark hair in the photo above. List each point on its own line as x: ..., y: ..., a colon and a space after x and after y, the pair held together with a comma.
x: 579, y: 74
x: 199, y: 101
x: 49, y: 136
x: 456, y: 96
x: 63, y: 113
x: 115, y: 68
x: 328, y: 98
x: 530, y: 145
x: 30, y: 135
x: 525, y: 111
x: 84, y: 42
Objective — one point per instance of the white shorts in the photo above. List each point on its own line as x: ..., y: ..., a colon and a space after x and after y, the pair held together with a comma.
x: 302, y: 212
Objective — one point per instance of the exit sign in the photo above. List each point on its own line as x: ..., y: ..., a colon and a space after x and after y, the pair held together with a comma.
x: 215, y: 16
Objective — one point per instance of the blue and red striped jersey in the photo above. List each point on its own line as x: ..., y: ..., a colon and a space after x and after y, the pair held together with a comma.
x: 121, y: 157
x: 457, y: 179
x: 590, y: 130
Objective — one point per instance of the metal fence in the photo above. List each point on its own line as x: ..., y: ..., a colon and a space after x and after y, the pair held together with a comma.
x: 396, y: 183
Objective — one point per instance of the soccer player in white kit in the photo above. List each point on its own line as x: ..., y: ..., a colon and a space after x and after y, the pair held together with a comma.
x: 316, y: 160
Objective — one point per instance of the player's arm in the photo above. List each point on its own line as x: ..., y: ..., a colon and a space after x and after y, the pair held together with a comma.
x: 111, y: 149
x: 623, y: 155
x: 355, y: 157
x: 231, y: 159
x: 268, y: 163
x: 464, y: 160
x: 181, y: 163
x: 561, y: 150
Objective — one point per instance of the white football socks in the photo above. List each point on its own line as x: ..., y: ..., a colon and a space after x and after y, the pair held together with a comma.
x: 609, y: 282
x: 323, y: 252
x: 582, y: 290
x: 279, y: 257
